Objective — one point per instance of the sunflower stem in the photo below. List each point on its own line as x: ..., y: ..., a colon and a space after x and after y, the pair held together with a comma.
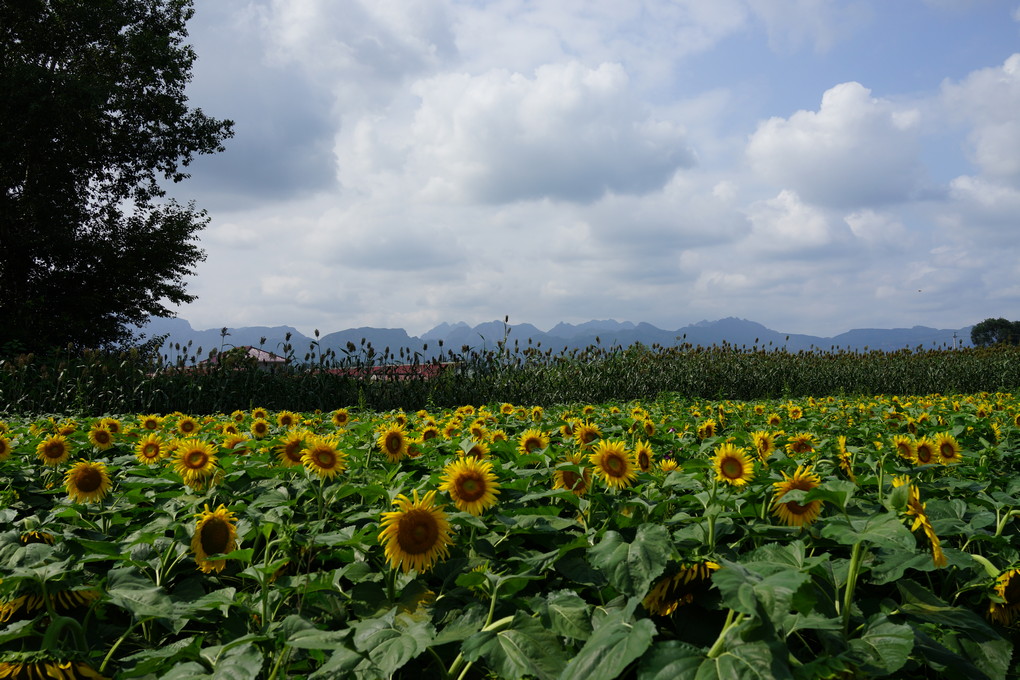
x: 732, y: 619
x: 856, y: 557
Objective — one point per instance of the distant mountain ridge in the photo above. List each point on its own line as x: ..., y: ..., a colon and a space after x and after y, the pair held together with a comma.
x: 561, y: 337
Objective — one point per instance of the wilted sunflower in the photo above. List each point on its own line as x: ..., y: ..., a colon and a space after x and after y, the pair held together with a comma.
x: 1007, y: 589
x: 87, y: 482
x: 614, y: 464
x: 100, y: 437
x: 925, y: 451
x: 393, y: 442
x: 40, y: 670
x: 215, y: 534
x: 679, y: 589
x: 417, y: 534
x: 585, y: 433
x: 150, y: 449
x: 289, y: 450
x: 916, y: 510
x: 471, y: 483
x: 196, y: 461
x: 187, y: 426
x: 643, y: 455
x: 579, y: 483
x: 53, y: 450
x: 532, y: 441
x: 795, y: 513
x: 732, y: 465
x: 259, y: 428
x: 324, y: 458
x: 800, y: 444
x: 5, y: 448
x: 948, y: 448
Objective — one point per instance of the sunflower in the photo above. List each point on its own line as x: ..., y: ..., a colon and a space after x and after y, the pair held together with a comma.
x: 537, y: 413
x: 112, y: 424
x: 667, y: 465
x: 916, y: 509
x: 150, y: 449
x: 53, y: 450
x: 237, y: 416
x: 497, y: 436
x: 414, y: 447
x: 567, y: 429
x: 450, y: 429
x: 36, y: 537
x: 67, y: 428
x: 708, y: 428
x: 215, y: 534
x: 643, y: 455
x: 948, y: 448
x: 532, y: 441
x: 100, y: 437
x: 905, y: 446
x: 417, y: 534
x: 196, y: 461
x: 649, y: 427
x: 764, y: 443
x: 323, y: 458
x: 506, y: 408
x: 578, y: 482
x: 478, y: 450
x: 794, y: 513
x: 429, y: 432
x: 800, y: 444
x: 794, y: 412
x: 287, y: 419
x: 289, y: 450
x: 845, y: 463
x: 613, y: 464
x: 236, y: 442
x: 149, y: 422
x: 87, y: 482
x: 1007, y: 589
x: 585, y: 433
x: 33, y: 670
x: 5, y: 448
x: 471, y: 483
x: 478, y: 430
x: 259, y: 428
x: 925, y: 451
x: 774, y: 419
x: 257, y: 413
x: 393, y: 442
x: 679, y: 589
x: 732, y: 465
x: 187, y: 426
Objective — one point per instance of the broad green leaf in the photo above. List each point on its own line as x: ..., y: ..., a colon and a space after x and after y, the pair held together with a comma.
x: 670, y: 660
x: 312, y: 638
x: 392, y: 640
x: 523, y: 649
x: 128, y: 590
x: 631, y: 567
x: 883, y: 528
x: 616, y: 643
x: 569, y: 615
x: 991, y: 656
x: 923, y: 605
x: 884, y: 646
x: 745, y: 661
x: 340, y: 665
x: 151, y: 660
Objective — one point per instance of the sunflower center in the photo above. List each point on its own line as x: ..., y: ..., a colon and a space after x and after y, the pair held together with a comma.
x: 54, y: 450
x: 195, y: 459
x: 215, y: 536
x: 88, y: 480
x: 102, y: 436
x: 293, y: 450
x: 470, y: 488
x: 947, y: 451
x: 923, y: 454
x: 532, y: 444
x: 187, y: 427
x: 731, y: 468
x: 572, y: 480
x: 150, y: 450
x: 325, y: 459
x: 644, y: 461
x: 418, y: 532
x: 614, y: 466
x: 1011, y: 591
x: 394, y: 442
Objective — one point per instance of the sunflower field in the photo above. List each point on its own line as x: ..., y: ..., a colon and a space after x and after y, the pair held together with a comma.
x: 828, y: 537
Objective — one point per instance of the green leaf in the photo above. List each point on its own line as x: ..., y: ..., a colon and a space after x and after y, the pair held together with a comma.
x: 523, y: 649
x: 128, y: 590
x: 884, y: 647
x: 670, y: 660
x: 312, y: 638
x: 744, y: 661
x: 883, y: 528
x: 612, y: 647
x: 631, y: 567
x: 392, y: 639
x: 151, y: 660
x: 569, y: 615
x: 235, y: 660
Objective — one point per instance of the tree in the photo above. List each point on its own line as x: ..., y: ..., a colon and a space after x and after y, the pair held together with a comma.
x: 995, y: 331
x: 93, y: 119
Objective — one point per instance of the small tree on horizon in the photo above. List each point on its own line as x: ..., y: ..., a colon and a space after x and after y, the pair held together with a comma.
x: 995, y: 332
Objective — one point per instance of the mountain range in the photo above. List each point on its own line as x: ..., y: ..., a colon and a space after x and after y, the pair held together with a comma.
x: 561, y: 337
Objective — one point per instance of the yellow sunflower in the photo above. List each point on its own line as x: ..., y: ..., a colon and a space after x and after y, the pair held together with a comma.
x: 393, y: 442
x: 51, y: 668
x: 800, y: 444
x: 845, y: 462
x: 111, y: 424
x: 506, y: 409
x: 53, y: 450
x: 259, y: 428
x: 87, y: 482
x: 287, y: 419
x: 290, y: 449
x: 187, y: 426
x: 150, y: 422
x: 195, y: 461
x: 417, y: 534
x: 649, y: 427
x: 643, y: 455
x: 794, y: 513
x: 614, y: 464
x: 532, y: 441
x: 680, y: 588
x: 764, y: 443
x: 237, y: 416
x: 341, y: 417
x: 5, y: 448
x: 471, y: 483
x: 429, y: 432
x: 585, y: 433
x: 732, y: 465
x: 948, y: 448
x: 668, y: 465
x: 150, y: 449
x: 579, y: 483
x: 925, y: 451
x: 707, y: 428
x: 215, y: 534
x: 1007, y: 589
x: 100, y: 437
x: 323, y: 458
x: 478, y: 450
x: 236, y: 442
x: 259, y: 413
x: 905, y: 447
x: 774, y: 419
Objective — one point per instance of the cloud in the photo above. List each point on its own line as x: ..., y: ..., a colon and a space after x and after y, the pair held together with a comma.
x: 786, y: 224
x: 854, y: 151
x: 569, y: 132
x: 988, y: 99
x: 792, y: 23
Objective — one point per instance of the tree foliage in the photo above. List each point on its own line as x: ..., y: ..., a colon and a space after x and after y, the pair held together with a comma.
x: 94, y: 118
x: 995, y: 332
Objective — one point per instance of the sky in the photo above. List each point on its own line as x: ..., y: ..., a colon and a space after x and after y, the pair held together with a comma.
x: 812, y: 165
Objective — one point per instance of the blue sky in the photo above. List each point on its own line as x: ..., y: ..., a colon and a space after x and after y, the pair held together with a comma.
x: 812, y: 165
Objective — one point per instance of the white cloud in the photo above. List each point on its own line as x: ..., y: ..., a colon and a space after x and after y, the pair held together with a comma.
x: 854, y: 151
x: 878, y: 229
x: 787, y: 224
x: 792, y: 23
x: 989, y: 100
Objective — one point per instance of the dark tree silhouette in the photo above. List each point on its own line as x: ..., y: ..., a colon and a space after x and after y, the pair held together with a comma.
x: 995, y: 332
